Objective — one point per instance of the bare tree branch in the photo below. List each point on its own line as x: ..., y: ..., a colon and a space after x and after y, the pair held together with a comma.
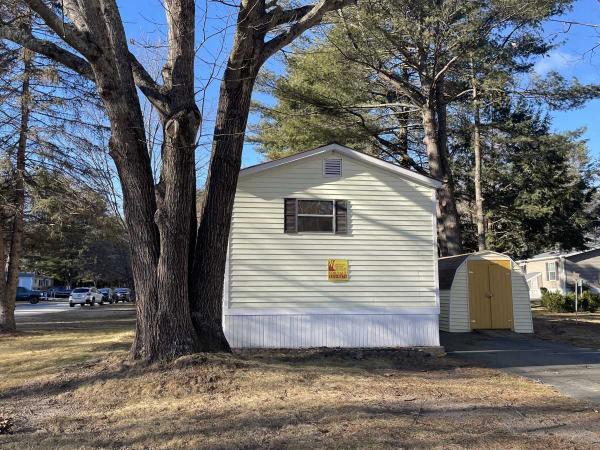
x: 280, y: 16
x: 306, y: 21
x: 77, y: 39
x: 48, y: 49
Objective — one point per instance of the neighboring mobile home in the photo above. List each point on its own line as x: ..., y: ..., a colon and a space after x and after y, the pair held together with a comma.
x: 331, y: 247
x: 482, y: 291
x: 558, y: 271
x: 34, y: 281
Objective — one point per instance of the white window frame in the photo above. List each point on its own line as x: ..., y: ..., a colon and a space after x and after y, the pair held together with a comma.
x: 554, y: 271
x: 298, y: 215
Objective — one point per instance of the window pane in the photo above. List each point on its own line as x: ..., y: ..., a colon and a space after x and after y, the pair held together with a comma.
x: 315, y: 207
x: 315, y: 224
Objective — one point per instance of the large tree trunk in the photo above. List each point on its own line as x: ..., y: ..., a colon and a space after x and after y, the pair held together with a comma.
x: 450, y: 242
x: 175, y: 316
x: 451, y: 219
x: 7, y: 306
x: 159, y: 255
x: 215, y: 221
x: 481, y: 245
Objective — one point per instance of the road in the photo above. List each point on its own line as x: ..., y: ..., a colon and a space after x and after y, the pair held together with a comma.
x: 27, y: 309
x: 573, y: 371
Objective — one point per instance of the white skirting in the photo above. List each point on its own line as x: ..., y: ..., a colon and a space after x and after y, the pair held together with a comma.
x: 332, y: 330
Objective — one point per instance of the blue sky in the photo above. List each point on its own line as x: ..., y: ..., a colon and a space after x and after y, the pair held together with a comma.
x: 573, y: 57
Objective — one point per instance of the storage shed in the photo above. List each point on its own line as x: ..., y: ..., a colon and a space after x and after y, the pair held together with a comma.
x: 332, y: 248
x: 484, y: 290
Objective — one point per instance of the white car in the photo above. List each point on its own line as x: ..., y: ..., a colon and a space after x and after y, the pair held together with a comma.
x: 83, y: 295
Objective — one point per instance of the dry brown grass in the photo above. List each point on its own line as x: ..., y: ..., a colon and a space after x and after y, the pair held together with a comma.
x: 82, y: 396
x: 563, y: 327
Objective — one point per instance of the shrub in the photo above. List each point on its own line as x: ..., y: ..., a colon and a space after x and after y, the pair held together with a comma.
x: 555, y: 302
x: 589, y: 301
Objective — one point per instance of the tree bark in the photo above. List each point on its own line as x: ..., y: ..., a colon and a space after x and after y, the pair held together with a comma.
x: 7, y: 307
x: 481, y: 245
x: 448, y: 206
x: 448, y: 227
x: 215, y: 222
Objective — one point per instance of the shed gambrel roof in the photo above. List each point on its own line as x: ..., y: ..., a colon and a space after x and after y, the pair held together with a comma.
x: 447, y: 268
x: 349, y: 152
x: 448, y: 265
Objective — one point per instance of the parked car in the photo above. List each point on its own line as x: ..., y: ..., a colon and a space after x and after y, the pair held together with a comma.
x: 59, y: 292
x: 85, y: 295
x: 108, y: 295
x: 24, y: 294
x: 122, y: 294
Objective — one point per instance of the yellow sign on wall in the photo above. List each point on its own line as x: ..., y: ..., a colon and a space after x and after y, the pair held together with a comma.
x: 337, y: 270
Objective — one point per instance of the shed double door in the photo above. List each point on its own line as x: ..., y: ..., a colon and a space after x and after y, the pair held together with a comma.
x: 490, y: 294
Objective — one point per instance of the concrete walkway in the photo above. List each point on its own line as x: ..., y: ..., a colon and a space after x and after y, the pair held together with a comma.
x: 573, y: 371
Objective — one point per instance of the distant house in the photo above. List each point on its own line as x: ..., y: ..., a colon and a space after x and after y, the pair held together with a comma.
x: 558, y: 271
x: 332, y: 248
x: 35, y: 281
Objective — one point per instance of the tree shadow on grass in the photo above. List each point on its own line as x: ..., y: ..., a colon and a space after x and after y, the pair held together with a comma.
x: 346, y: 425
x: 87, y: 369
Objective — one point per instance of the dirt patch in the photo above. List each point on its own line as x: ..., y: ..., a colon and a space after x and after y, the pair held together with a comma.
x: 89, y: 396
x: 581, y: 331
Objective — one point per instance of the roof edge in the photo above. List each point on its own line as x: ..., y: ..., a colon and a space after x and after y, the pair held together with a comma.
x: 346, y: 151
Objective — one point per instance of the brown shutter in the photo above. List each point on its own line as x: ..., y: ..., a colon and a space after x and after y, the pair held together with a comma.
x: 289, y: 215
x: 341, y: 217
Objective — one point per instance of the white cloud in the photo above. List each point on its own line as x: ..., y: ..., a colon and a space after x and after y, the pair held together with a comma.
x: 556, y: 60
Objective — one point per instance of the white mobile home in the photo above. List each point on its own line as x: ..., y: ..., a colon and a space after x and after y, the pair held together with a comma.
x: 558, y: 271
x: 331, y: 247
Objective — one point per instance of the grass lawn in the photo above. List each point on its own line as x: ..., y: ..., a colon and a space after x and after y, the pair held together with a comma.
x: 65, y: 382
x: 563, y: 327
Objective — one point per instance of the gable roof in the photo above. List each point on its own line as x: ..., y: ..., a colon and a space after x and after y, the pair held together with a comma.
x: 345, y: 151
x: 579, y: 255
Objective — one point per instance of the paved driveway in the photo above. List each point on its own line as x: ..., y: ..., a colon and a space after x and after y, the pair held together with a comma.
x: 573, y: 371
x: 43, y: 307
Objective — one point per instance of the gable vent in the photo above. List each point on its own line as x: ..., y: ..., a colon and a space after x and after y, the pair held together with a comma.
x: 332, y: 167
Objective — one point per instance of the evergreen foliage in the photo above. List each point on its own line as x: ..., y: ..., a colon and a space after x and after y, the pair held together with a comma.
x: 70, y: 233
x: 539, y: 187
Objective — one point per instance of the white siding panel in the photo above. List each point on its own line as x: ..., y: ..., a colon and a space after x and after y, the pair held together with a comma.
x: 521, y: 302
x: 389, y: 245
x: 459, y: 302
x: 304, y: 331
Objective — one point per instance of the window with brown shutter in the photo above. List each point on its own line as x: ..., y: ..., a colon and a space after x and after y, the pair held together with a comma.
x: 289, y: 215
x: 341, y: 217
x: 315, y: 216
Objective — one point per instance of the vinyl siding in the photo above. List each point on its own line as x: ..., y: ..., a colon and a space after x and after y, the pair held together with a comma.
x: 459, y: 301
x: 522, y: 322
x: 332, y: 330
x: 389, y: 244
x: 458, y: 311
x: 540, y: 266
